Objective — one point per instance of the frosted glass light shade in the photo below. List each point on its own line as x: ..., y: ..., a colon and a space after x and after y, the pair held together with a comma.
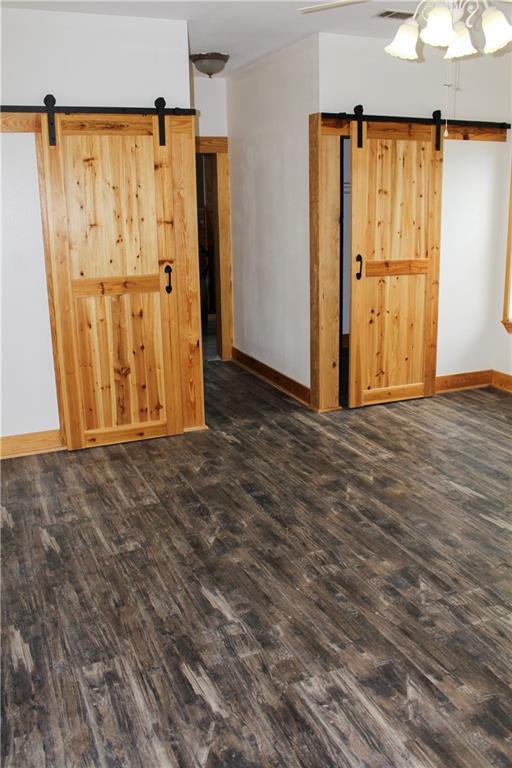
x: 403, y: 45
x: 462, y: 45
x: 439, y: 30
x: 497, y: 30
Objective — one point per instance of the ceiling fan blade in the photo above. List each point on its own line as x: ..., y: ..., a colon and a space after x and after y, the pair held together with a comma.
x: 334, y: 4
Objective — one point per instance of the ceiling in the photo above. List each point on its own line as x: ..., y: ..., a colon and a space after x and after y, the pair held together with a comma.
x: 246, y: 29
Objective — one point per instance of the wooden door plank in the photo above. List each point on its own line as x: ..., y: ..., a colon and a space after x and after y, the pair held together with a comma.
x: 169, y: 302
x: 434, y: 251
x: 110, y: 286
x: 57, y: 244
x: 381, y: 268
x: 129, y: 125
x: 183, y: 167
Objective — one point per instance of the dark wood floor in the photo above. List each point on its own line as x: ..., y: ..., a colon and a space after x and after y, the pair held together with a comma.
x: 286, y: 589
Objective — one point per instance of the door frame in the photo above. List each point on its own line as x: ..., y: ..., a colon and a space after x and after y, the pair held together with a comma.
x: 218, y: 146
x: 325, y: 199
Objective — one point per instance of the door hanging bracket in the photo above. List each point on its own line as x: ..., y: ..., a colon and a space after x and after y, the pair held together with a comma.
x: 160, y: 110
x: 436, y: 116
x: 49, y: 102
x: 358, y: 112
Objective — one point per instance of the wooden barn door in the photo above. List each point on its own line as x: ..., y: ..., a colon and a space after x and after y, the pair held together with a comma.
x: 120, y: 224
x: 396, y: 198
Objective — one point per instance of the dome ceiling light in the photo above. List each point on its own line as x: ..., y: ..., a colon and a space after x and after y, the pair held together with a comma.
x: 209, y: 63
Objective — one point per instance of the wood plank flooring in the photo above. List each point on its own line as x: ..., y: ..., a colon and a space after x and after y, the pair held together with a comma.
x: 286, y: 589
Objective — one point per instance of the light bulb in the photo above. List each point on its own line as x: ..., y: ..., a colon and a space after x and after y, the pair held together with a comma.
x: 462, y: 45
x: 439, y: 30
x: 497, y: 30
x: 404, y: 42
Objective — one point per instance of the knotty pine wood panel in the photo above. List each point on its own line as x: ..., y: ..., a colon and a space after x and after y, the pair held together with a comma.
x: 183, y: 167
x: 110, y: 194
x: 121, y: 359
x: 395, y: 228
x: 284, y: 589
x: 397, y: 212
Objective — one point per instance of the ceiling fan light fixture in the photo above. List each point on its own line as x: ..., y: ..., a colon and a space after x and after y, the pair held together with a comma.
x: 209, y: 63
x: 462, y: 45
x: 404, y: 43
x: 439, y: 31
x: 497, y: 30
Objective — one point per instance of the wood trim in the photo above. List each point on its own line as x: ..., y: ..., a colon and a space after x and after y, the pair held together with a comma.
x: 31, y: 443
x: 502, y: 381
x: 405, y: 131
x: 339, y: 126
x: 383, y: 268
x: 457, y: 381
x: 507, y: 319
x: 279, y: 380
x: 475, y: 133
x: 20, y: 122
x: 324, y: 217
x: 334, y: 126
x: 212, y: 144
x: 225, y: 258
x: 129, y: 125
x: 434, y: 253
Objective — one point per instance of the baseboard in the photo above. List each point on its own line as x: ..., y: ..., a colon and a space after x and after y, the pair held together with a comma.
x: 456, y: 382
x: 271, y: 376
x: 502, y: 381
x: 31, y: 443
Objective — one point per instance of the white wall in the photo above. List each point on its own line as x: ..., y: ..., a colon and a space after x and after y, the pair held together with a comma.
x: 209, y: 98
x: 473, y: 247
x: 29, y: 402
x: 357, y: 70
x: 82, y: 59
x: 268, y: 108
x: 99, y: 60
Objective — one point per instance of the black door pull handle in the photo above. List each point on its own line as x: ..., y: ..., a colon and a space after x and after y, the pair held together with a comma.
x: 168, y: 272
x: 359, y: 260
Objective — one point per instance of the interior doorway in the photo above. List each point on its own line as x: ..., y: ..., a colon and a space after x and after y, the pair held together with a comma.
x: 208, y: 231
x: 214, y: 229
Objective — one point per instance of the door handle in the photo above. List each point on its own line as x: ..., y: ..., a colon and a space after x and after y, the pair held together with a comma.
x: 359, y: 260
x: 168, y: 272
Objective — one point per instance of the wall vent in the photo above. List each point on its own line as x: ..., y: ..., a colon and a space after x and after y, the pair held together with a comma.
x: 395, y: 15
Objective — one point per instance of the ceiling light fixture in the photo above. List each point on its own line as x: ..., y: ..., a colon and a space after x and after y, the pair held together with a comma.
x: 209, y: 63
x: 448, y: 24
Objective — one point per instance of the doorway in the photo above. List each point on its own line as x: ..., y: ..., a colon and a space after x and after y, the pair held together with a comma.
x: 208, y: 231
x: 214, y: 227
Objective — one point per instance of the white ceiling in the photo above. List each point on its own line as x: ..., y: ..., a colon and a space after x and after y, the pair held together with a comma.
x: 246, y: 29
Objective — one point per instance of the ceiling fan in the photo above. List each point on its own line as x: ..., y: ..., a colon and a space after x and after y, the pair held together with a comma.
x: 444, y: 24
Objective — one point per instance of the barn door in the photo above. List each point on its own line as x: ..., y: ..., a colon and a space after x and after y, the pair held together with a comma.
x: 117, y: 231
x: 396, y: 191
